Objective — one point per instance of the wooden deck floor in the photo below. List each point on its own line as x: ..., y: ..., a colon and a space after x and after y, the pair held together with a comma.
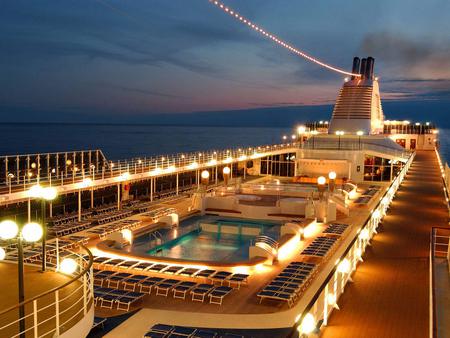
x: 389, y: 296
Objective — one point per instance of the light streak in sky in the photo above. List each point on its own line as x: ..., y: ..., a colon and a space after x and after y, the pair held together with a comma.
x: 275, y: 39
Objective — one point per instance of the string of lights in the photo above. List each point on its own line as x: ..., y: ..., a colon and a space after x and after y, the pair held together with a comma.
x: 275, y: 39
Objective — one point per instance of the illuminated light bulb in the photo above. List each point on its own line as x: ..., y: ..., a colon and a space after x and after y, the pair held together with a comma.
x: 358, y: 253
x: 332, y: 175
x: 344, y: 266
x: 364, y: 235
x: 49, y: 193
x: 321, y: 180
x: 360, y: 133
x: 376, y: 213
x: 331, y: 299
x: 32, y: 232
x: 68, y: 266
x: 226, y: 170
x: 35, y: 191
x: 205, y: 174
x: 301, y: 129
x: 308, y: 324
x: 2, y: 254
x: 8, y: 229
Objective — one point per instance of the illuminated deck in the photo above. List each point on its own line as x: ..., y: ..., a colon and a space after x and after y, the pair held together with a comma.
x: 390, y: 293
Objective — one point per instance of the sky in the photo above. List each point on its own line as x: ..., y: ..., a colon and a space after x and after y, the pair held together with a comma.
x: 116, y: 60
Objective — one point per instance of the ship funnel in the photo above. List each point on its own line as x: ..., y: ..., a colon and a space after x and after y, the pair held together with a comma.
x: 369, y: 68
x: 363, y: 68
x: 355, y: 68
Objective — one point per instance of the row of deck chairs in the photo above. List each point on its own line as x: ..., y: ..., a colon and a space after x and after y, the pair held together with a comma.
x: 106, y: 229
x: 111, y: 216
x: 335, y: 229
x: 163, y: 287
x: 170, y: 331
x: 120, y: 299
x: 214, y: 276
x: 68, y: 228
x: 320, y: 246
x: 69, y: 218
x: 288, y: 285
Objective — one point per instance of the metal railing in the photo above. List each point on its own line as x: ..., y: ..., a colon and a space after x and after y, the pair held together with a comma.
x: 57, y: 310
x: 350, y: 143
x: 319, y: 306
x: 439, y: 248
x: 124, y: 170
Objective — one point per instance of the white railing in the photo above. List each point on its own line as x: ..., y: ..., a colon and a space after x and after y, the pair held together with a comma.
x: 57, y: 310
x: 321, y: 306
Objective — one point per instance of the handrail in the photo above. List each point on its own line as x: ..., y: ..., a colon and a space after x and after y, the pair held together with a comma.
x: 433, y: 329
x: 381, y: 204
x: 267, y: 240
x: 74, y: 279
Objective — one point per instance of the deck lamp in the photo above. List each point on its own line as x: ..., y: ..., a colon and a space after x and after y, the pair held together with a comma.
x: 332, y: 181
x: 308, y: 324
x: 205, y: 177
x: 44, y: 194
x: 364, y: 234
x: 321, y: 180
x: 344, y: 266
x: 30, y: 232
x: 68, y: 266
x: 226, y: 174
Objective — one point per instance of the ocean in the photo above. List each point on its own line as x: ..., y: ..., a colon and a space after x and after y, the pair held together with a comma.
x: 119, y: 141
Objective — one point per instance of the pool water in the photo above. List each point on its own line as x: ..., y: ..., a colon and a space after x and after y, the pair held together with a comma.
x: 206, y: 246
x: 190, y: 242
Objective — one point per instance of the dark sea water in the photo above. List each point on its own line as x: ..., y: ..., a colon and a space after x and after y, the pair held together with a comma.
x: 126, y: 141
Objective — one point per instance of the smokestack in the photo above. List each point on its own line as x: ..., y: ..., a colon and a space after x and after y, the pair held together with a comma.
x: 363, y: 68
x: 355, y: 68
x: 369, y: 67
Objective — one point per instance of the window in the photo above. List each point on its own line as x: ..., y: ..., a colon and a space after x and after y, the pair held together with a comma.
x: 278, y: 165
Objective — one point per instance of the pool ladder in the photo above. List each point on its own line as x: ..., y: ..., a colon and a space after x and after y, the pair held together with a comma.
x: 156, y: 237
x: 267, y: 243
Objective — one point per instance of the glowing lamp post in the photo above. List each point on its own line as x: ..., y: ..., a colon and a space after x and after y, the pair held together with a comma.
x: 44, y: 194
x: 226, y: 174
x: 359, y: 133
x: 332, y: 181
x: 301, y: 131
x: 30, y: 232
x: 321, y: 180
x: 205, y: 177
x: 68, y: 266
x: 339, y: 133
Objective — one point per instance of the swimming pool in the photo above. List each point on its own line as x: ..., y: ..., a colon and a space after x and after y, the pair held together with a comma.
x: 207, y: 238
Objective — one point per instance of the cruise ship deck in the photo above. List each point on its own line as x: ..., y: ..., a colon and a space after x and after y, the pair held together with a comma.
x: 390, y: 293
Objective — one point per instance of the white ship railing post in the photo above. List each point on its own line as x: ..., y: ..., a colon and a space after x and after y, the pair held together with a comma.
x: 35, y: 319
x: 57, y: 313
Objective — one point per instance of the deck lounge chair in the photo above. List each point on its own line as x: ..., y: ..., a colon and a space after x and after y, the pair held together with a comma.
x: 157, y: 267
x: 220, y: 276
x: 238, y: 279
x: 115, y: 280
x: 159, y: 330
x: 98, y: 321
x: 182, y: 331
x: 200, y: 291
x: 124, y: 302
x: 217, y: 295
x: 205, y: 273
x: 180, y: 290
x: 274, y: 295
x: 110, y: 298
x: 143, y: 266
x: 131, y: 283
x: 162, y: 289
x: 205, y: 334
x: 190, y: 272
x: 147, y: 285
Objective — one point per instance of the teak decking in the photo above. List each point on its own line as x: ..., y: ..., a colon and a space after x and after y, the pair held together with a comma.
x: 390, y: 293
